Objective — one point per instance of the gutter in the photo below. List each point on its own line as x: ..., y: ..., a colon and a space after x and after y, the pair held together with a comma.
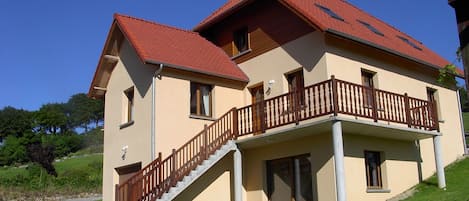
x: 155, y: 76
x: 149, y: 61
x: 359, y: 40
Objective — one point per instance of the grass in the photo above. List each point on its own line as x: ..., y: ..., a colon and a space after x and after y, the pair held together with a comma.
x: 75, y: 175
x: 465, y: 117
x: 456, y: 182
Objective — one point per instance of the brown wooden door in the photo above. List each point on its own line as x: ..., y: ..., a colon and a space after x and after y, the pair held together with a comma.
x: 257, y: 94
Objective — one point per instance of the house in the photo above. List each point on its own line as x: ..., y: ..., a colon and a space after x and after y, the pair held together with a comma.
x: 272, y: 100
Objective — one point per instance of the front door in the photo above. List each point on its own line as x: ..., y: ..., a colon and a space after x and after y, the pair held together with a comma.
x: 257, y: 94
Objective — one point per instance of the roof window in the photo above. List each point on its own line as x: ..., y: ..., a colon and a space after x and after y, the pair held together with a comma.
x: 330, y: 12
x: 410, y: 43
x: 371, y: 28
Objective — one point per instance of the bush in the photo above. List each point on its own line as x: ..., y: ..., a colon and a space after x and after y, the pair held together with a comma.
x: 64, y: 144
x: 13, y: 151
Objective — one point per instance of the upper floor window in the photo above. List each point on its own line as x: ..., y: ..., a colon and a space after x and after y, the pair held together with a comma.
x: 412, y: 44
x: 241, y: 40
x: 128, y: 105
x: 373, y: 169
x: 296, y: 86
x: 371, y: 27
x: 201, y: 99
x: 330, y: 12
x: 367, y: 81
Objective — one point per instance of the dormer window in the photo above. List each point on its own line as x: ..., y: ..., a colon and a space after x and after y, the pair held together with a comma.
x: 371, y: 28
x: 241, y: 40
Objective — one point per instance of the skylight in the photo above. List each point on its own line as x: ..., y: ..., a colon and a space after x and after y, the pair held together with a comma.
x: 409, y: 43
x: 371, y: 28
x: 330, y: 12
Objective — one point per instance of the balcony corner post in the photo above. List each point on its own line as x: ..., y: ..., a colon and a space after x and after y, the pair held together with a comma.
x: 173, y: 168
x: 335, y: 99
x: 374, y: 104
x: 407, y: 110
x: 205, y: 149
x: 235, y: 123
x: 435, y: 115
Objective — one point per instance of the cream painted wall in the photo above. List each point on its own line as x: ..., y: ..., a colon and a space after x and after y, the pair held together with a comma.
x: 322, y: 166
x: 128, y: 72
x: 215, y: 184
x: 399, y: 170
x: 306, y: 52
x: 174, y: 126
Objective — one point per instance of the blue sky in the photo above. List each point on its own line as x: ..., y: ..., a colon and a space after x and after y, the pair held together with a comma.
x: 49, y: 49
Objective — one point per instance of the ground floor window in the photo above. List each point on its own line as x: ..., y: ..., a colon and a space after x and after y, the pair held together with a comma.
x: 373, y: 170
x: 290, y: 179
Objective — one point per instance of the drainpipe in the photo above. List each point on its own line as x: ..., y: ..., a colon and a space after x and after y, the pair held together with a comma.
x: 153, y: 107
x: 462, y: 124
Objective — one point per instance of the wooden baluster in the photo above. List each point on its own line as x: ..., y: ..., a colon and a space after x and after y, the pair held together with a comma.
x: 235, y: 123
x: 373, y: 105
x: 335, y: 101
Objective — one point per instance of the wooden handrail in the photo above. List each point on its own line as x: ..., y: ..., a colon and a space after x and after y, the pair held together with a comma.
x: 332, y: 96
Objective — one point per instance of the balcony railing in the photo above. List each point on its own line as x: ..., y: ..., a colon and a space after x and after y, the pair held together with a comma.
x: 331, y: 97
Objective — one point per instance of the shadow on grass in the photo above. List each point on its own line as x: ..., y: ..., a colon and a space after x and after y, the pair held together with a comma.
x: 430, y: 183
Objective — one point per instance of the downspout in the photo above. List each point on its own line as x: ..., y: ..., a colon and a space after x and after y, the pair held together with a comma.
x: 153, y: 107
x: 462, y: 124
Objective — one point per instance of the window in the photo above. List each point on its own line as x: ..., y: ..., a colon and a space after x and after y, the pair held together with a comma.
x: 367, y: 82
x: 373, y: 170
x: 409, y: 43
x: 241, y: 40
x: 129, y: 105
x: 289, y: 179
x: 330, y: 12
x: 296, y: 88
x: 201, y: 99
x: 371, y: 28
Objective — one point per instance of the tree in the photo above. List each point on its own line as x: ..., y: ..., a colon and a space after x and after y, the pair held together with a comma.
x: 43, y: 155
x: 15, y: 122
x: 52, y: 118
x: 85, y: 111
x: 463, y: 99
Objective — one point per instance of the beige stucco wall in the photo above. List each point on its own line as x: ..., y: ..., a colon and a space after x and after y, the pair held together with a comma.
x: 215, y: 184
x: 322, y: 166
x: 174, y: 126
x: 128, y: 72
x: 306, y: 52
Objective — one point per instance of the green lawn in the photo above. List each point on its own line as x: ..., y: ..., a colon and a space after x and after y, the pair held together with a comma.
x: 75, y: 175
x: 456, y: 182
x: 465, y: 117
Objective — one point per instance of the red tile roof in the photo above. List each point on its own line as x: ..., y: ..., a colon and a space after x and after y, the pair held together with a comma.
x: 187, y: 50
x: 349, y: 28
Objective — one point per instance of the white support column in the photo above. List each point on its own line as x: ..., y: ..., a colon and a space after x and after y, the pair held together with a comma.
x: 238, y: 175
x: 339, y: 160
x: 440, y: 171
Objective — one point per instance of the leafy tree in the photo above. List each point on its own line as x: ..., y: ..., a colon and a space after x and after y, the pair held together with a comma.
x: 14, y: 150
x: 447, y: 76
x: 43, y: 155
x: 463, y: 99
x: 15, y: 122
x: 85, y: 111
x: 52, y: 118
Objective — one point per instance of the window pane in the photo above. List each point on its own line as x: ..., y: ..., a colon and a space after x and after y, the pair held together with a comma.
x: 241, y: 40
x: 193, y: 99
x: 373, y: 170
x: 205, y: 100
x: 306, y: 188
x: 281, y: 180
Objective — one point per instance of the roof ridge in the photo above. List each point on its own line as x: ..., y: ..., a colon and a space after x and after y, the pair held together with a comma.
x: 376, y: 18
x: 214, y: 12
x: 154, y: 23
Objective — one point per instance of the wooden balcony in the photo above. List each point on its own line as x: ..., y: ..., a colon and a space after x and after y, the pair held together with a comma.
x: 330, y: 97
x: 335, y: 97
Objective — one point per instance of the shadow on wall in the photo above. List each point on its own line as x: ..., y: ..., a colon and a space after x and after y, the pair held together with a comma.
x: 140, y: 73
x: 200, y: 185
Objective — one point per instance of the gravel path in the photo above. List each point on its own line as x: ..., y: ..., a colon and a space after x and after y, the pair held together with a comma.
x: 86, y: 199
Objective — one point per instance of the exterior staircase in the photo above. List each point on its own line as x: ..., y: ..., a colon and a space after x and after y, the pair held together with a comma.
x: 164, y: 179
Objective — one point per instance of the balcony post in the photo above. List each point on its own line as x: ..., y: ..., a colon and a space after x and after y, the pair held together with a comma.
x: 335, y: 99
x: 407, y: 110
x: 263, y: 115
x: 440, y: 172
x: 235, y: 123
x: 173, y: 168
x: 374, y: 104
x: 338, y: 147
x: 205, y: 148
x: 296, y: 106
x: 238, y: 175
x: 116, y: 193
